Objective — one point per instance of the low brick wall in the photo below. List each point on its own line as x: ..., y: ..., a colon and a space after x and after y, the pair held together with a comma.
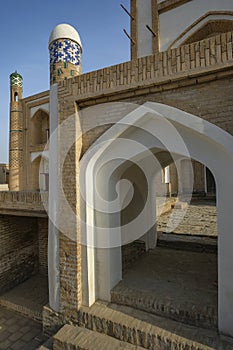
x: 27, y: 201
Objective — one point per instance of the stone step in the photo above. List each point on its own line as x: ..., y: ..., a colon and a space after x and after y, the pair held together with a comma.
x: 149, y: 331
x: 187, y: 242
x: 76, y: 338
x: 196, y: 315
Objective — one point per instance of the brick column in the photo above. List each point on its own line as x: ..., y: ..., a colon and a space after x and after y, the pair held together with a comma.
x: 69, y: 242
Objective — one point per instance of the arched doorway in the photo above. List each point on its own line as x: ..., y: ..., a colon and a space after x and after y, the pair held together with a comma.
x: 40, y: 128
x: 206, y: 144
x: 40, y: 172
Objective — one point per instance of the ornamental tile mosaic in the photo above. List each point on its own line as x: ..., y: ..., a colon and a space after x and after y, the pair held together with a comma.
x: 16, y: 80
x: 65, y: 51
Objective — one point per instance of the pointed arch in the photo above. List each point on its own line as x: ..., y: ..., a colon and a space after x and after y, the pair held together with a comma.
x: 205, y: 143
x: 40, y: 127
x: 210, y: 24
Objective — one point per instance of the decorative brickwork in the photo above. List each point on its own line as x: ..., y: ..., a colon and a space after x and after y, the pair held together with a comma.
x: 27, y: 202
x: 201, y: 58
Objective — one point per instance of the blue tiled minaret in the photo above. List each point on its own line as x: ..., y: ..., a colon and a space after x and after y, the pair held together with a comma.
x: 65, y: 50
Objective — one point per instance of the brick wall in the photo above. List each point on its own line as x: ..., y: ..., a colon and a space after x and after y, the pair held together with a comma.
x: 210, y: 100
x: 18, y: 250
x: 206, y: 55
x: 31, y: 201
x: 70, y: 248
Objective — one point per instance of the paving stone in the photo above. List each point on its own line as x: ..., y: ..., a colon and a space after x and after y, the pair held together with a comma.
x: 11, y: 321
x: 15, y: 336
x: 4, y: 335
x: 180, y: 285
x: 5, y: 344
x: 14, y: 328
x: 19, y: 332
x: 199, y: 218
x: 26, y: 328
x: 19, y: 345
x: 29, y: 336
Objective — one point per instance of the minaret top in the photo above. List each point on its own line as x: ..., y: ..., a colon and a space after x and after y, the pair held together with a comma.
x: 65, y: 31
x: 65, y: 50
x: 16, y: 79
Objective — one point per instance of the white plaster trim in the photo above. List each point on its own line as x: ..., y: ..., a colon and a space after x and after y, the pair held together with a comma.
x: 145, y: 38
x: 54, y: 207
x: 178, y: 42
x: 35, y: 155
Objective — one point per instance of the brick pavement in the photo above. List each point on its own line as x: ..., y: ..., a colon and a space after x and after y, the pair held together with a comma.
x: 199, y: 218
x: 18, y: 332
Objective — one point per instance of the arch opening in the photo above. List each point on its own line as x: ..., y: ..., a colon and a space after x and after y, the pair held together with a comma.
x: 206, y: 144
x: 175, y: 268
x: 40, y: 128
x: 40, y: 174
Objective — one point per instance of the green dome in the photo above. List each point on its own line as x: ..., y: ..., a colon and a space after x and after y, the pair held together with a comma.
x: 16, y: 79
x: 16, y: 75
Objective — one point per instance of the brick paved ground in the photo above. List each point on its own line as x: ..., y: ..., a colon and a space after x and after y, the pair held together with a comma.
x: 180, y: 285
x: 199, y: 218
x: 28, y: 297
x: 18, y: 332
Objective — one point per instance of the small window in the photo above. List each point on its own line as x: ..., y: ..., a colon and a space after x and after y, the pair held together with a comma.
x: 72, y: 72
x: 16, y: 97
x: 59, y: 72
x: 54, y: 67
x: 65, y: 64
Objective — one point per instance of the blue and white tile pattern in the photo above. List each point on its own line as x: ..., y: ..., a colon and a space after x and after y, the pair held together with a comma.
x: 65, y: 51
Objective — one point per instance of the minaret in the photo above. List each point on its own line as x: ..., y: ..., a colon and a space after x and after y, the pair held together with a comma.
x: 65, y: 50
x: 16, y: 132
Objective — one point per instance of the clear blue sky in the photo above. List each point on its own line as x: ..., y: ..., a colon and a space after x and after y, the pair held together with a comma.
x: 25, y: 27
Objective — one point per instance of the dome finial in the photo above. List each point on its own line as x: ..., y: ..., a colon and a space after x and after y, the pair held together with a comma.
x: 65, y: 31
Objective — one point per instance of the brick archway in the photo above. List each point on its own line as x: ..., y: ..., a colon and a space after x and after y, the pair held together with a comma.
x: 205, y: 143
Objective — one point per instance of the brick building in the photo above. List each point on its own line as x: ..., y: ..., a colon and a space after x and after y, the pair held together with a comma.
x: 174, y: 99
x: 4, y: 174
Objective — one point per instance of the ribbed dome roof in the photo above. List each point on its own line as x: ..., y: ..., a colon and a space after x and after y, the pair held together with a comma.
x: 16, y: 75
x: 65, y: 31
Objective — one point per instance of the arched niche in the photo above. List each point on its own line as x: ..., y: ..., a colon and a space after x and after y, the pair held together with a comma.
x: 39, y: 128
